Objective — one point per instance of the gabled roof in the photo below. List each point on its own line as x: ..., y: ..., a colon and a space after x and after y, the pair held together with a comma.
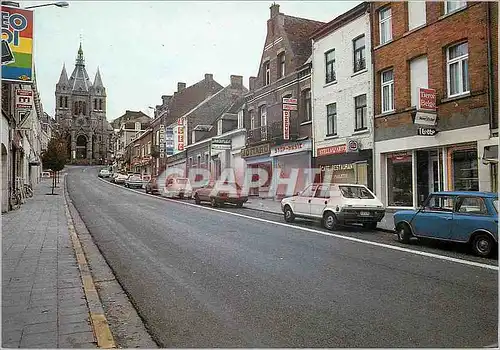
x: 131, y: 116
x: 341, y: 20
x: 298, y: 31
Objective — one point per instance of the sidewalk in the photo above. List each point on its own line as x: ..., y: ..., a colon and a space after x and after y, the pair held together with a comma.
x: 43, y: 302
x: 272, y: 206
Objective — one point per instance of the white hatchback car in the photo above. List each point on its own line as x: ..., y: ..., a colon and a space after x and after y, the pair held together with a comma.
x: 335, y: 204
x: 178, y: 187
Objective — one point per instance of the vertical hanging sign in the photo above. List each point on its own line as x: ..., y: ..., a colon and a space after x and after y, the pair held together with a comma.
x: 162, y: 141
x: 289, y: 104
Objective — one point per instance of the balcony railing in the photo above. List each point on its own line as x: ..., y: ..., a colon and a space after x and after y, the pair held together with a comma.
x: 272, y: 132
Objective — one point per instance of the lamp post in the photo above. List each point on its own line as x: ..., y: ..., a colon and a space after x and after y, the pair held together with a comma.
x: 57, y: 4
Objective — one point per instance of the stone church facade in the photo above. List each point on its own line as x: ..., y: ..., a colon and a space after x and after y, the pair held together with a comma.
x: 81, y: 115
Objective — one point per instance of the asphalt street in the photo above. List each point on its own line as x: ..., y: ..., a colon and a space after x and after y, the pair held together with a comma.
x: 205, y: 278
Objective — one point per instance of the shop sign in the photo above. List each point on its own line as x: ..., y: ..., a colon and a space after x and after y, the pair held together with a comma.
x: 291, y: 148
x: 289, y: 107
x: 400, y: 157
x: 169, y: 141
x: 24, y: 99
x: 338, y: 167
x: 352, y: 146
x: 424, y: 118
x: 326, y: 151
x: 291, y: 101
x: 286, y: 125
x: 426, y: 131
x: 221, y: 144
x: 162, y: 141
x: 180, y: 138
x: 256, y: 151
x: 426, y: 99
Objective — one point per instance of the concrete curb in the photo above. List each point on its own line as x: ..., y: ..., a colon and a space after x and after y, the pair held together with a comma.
x: 98, y: 319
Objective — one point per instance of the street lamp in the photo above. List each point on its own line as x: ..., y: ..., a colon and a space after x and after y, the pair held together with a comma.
x: 57, y: 4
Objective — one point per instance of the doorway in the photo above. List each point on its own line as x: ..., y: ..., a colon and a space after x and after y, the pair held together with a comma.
x: 81, y: 147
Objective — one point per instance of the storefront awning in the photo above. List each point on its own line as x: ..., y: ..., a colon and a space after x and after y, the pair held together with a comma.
x: 490, y: 154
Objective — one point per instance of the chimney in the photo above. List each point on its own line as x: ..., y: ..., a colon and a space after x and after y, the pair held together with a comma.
x: 251, y: 83
x: 209, y: 77
x: 181, y: 86
x: 166, y: 98
x: 236, y: 81
x: 275, y: 10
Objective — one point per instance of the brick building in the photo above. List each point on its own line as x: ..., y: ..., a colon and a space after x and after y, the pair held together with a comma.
x: 343, y: 98
x: 284, y: 72
x: 450, y: 47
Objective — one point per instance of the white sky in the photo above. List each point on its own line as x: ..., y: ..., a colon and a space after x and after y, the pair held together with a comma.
x: 144, y: 48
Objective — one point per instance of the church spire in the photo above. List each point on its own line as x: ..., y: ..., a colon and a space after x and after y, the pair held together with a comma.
x: 63, y: 78
x: 79, y: 59
x: 98, y: 80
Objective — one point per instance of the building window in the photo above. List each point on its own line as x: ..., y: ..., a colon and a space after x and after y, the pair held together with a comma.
x: 418, y: 77
x: 66, y: 102
x: 451, y: 6
x: 100, y: 105
x: 387, y: 78
x: 399, y: 180
x: 240, y: 119
x: 464, y: 169
x: 149, y: 147
x: 331, y: 119
x: 281, y: 65
x: 267, y: 73
x: 458, y: 69
x: 84, y: 108
x: 306, y: 97
x: 263, y: 115
x: 137, y: 126
x: 60, y: 101
x: 330, y: 66
x: 359, y: 54
x: 416, y: 14
x: 360, y: 106
x: 157, y: 138
x: 385, y: 22
x: 219, y: 127
x: 198, y: 160
x: 252, y: 120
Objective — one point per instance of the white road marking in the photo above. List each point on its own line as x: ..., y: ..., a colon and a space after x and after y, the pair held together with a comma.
x: 352, y: 239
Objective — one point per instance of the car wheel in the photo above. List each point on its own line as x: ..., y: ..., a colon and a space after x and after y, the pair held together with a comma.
x: 288, y: 214
x: 147, y: 190
x: 403, y: 233
x: 330, y: 221
x: 482, y: 245
x: 181, y: 195
x: 213, y: 202
x: 197, y: 199
x: 370, y: 225
x: 239, y: 204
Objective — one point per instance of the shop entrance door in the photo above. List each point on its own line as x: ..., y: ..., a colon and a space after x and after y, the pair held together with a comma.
x: 429, y: 173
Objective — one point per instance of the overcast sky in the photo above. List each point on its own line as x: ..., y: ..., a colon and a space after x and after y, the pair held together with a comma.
x: 144, y: 48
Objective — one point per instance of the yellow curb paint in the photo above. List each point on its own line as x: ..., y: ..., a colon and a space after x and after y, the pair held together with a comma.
x: 100, y: 324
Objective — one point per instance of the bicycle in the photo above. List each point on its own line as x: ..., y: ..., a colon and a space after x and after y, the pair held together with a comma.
x: 15, y: 199
x: 28, y: 190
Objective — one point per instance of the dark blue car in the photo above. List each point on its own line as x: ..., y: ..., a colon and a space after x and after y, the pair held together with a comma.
x: 466, y: 217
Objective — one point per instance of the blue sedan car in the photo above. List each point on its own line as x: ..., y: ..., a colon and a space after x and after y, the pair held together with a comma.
x: 466, y: 217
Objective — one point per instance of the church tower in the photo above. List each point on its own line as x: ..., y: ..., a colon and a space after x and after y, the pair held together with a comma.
x: 81, y: 114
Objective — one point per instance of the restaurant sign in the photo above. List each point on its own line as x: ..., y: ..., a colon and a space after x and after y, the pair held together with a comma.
x: 326, y: 151
x: 254, y: 151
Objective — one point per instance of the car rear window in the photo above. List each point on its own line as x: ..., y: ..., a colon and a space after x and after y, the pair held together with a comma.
x: 135, y: 178
x: 182, y: 181
x: 355, y: 192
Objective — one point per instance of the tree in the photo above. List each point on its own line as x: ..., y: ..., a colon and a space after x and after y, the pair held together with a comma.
x: 55, y: 157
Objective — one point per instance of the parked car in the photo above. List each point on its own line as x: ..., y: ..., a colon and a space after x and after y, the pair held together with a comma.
x: 217, y: 196
x: 334, y: 205
x: 120, y: 179
x: 152, y: 186
x: 46, y: 174
x: 104, y: 173
x: 468, y: 217
x: 179, y: 187
x: 134, y: 181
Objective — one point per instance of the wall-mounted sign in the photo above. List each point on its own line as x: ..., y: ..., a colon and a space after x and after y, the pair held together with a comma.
x: 169, y: 141
x: 426, y: 99
x: 256, y: 151
x: 162, y: 141
x: 427, y: 131
x: 352, y: 146
x: 291, y: 148
x: 325, y: 151
x: 221, y: 144
x: 338, y: 167
x: 288, y: 107
x: 424, y: 118
x: 292, y: 101
x: 24, y: 99
x: 180, y: 138
x: 17, y: 44
x: 286, y: 125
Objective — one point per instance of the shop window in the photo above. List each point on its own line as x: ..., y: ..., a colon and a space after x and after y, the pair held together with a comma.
x: 330, y: 66
x: 359, y: 54
x: 458, y: 69
x: 331, y: 119
x: 399, y: 180
x: 360, y: 110
x: 387, y: 78
x: 385, y: 23
x: 464, y: 169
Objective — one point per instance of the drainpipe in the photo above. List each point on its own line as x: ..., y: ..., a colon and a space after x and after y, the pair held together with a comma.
x: 372, y: 59
x: 490, y: 68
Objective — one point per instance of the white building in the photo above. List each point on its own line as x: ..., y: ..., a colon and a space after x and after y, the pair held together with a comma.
x: 343, y: 98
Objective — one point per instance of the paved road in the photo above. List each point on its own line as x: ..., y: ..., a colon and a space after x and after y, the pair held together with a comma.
x: 204, y: 278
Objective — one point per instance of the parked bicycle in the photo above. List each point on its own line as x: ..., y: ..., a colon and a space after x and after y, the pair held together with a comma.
x: 28, y: 190
x: 15, y: 199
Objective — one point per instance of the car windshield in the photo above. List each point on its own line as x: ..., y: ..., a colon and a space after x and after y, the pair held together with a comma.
x: 134, y: 178
x: 355, y: 192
